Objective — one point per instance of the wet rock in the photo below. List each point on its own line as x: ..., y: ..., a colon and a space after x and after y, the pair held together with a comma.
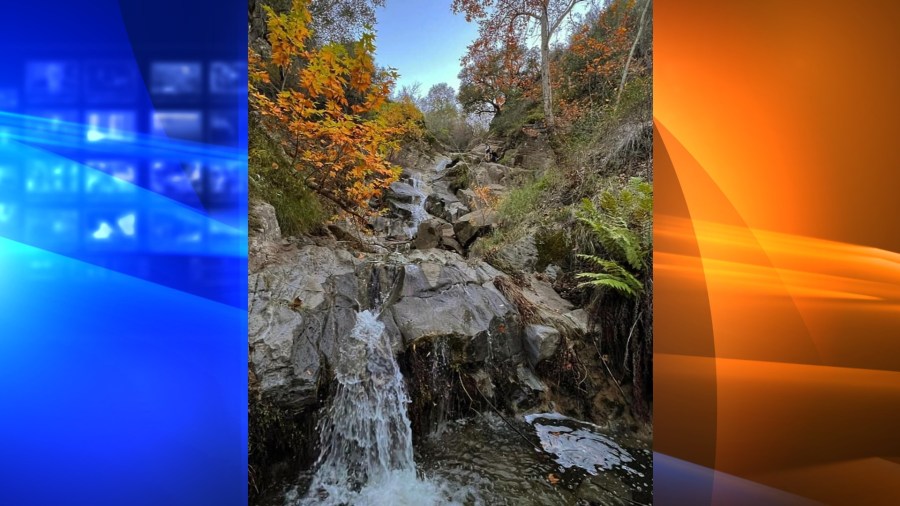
x: 445, y: 297
x: 484, y: 383
x: 403, y: 192
x: 470, y: 226
x: 541, y: 342
x: 301, y: 306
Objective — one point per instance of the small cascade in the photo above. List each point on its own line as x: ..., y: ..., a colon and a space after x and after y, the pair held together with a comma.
x: 366, y: 439
x: 416, y: 207
x: 440, y: 381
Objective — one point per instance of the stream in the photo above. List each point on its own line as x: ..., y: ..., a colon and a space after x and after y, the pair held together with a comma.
x: 368, y: 457
x: 338, y: 314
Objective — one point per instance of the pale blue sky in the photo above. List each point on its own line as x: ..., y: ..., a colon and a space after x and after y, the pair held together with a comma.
x: 423, y: 40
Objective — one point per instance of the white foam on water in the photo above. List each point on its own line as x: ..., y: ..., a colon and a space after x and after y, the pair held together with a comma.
x: 417, y: 207
x: 366, y: 439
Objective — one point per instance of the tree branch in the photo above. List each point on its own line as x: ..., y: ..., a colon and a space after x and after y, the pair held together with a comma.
x: 562, y: 16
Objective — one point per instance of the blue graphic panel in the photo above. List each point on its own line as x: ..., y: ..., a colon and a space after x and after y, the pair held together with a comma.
x: 123, y: 253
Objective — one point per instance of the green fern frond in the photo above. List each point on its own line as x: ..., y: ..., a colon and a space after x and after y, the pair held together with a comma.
x: 601, y: 280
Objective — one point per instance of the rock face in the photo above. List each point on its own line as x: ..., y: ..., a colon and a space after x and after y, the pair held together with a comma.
x: 541, y: 342
x: 521, y: 255
x: 289, y: 304
x: 301, y: 306
x: 444, y: 296
x: 264, y: 238
x: 403, y: 192
x: 435, y: 233
x: 470, y: 226
x: 304, y: 298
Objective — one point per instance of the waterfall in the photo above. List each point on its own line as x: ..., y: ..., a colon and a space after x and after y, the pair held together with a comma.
x: 366, y: 440
x: 417, y: 207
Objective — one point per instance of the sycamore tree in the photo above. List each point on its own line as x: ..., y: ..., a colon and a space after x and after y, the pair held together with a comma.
x: 327, y: 108
x: 513, y: 19
x: 493, y: 69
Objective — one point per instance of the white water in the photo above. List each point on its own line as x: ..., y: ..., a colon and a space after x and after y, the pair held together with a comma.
x: 416, y: 207
x: 366, y: 439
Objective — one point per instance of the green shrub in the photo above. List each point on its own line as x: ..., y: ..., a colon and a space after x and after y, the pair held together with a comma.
x: 522, y: 201
x: 272, y: 180
x: 516, y: 114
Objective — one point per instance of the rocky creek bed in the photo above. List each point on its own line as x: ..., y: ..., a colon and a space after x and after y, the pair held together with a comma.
x: 363, y: 343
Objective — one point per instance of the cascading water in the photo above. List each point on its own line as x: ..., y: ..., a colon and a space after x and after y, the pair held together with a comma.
x: 366, y: 439
x: 417, y: 207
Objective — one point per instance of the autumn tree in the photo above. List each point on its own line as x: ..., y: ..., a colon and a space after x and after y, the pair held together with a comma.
x: 328, y: 123
x: 512, y: 19
x: 492, y: 70
x: 604, y: 52
x: 330, y: 20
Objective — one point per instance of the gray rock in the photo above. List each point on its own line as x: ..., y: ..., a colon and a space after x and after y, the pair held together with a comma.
x: 443, y: 296
x: 470, y: 226
x: 264, y: 237
x: 552, y: 271
x: 520, y: 255
x: 454, y: 211
x: 467, y: 197
x: 294, y: 309
x: 403, y: 192
x: 541, y: 342
x: 431, y: 233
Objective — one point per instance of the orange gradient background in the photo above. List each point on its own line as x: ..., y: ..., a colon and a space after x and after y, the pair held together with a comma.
x: 777, y: 309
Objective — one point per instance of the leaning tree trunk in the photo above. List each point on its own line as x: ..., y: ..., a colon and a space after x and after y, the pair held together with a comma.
x: 637, y: 39
x: 546, y: 91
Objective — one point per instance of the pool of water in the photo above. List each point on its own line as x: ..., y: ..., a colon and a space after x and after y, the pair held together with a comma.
x: 545, y: 459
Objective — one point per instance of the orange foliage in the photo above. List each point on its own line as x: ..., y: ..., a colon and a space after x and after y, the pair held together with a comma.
x: 590, y: 73
x: 328, y: 123
x: 493, y: 69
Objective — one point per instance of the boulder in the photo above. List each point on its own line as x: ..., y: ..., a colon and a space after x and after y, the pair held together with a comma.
x: 264, y: 237
x: 467, y: 197
x: 454, y: 211
x: 487, y: 173
x: 431, y: 233
x: 403, y: 192
x: 520, y: 255
x: 541, y: 342
x: 470, y: 226
x: 299, y: 311
x: 445, y: 297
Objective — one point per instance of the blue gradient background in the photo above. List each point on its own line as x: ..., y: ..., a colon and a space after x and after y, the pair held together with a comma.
x: 122, y: 312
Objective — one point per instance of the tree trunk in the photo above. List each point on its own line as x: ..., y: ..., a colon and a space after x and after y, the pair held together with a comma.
x: 547, y: 92
x: 634, y: 45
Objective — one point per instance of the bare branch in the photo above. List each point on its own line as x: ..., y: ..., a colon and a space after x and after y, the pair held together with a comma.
x: 562, y: 16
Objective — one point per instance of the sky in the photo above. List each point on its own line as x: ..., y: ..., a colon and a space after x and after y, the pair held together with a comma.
x: 423, y: 40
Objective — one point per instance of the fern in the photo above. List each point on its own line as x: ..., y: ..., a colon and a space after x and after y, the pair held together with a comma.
x: 621, y: 224
x: 613, y: 276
